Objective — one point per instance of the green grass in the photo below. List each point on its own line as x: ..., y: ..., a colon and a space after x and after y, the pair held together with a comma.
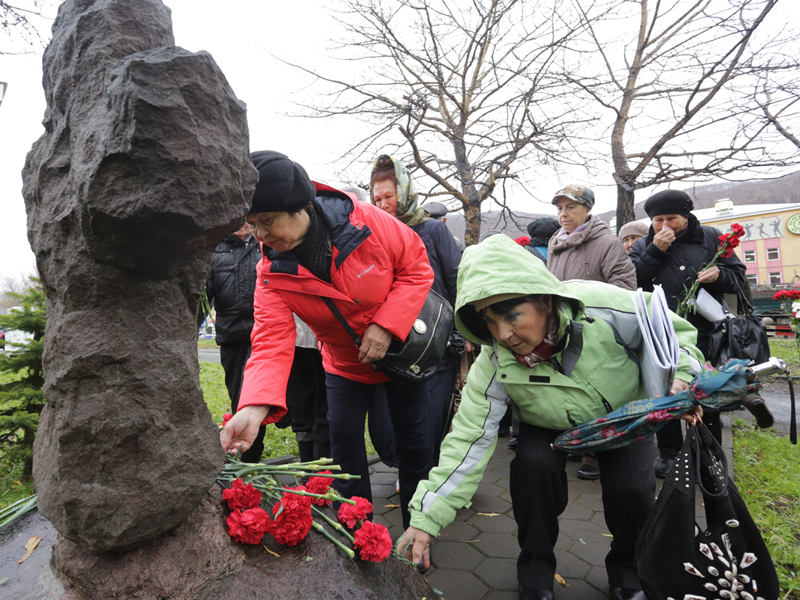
x: 767, y: 470
x: 12, y: 485
x: 277, y: 442
x: 788, y: 351
x: 207, y: 344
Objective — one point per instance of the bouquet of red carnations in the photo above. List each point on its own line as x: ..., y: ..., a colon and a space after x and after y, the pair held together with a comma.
x: 791, y: 303
x: 294, y: 508
x: 728, y: 242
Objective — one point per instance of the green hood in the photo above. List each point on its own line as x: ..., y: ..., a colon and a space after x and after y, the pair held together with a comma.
x: 498, y: 265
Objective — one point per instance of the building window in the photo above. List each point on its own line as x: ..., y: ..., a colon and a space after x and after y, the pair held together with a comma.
x: 775, y: 277
x: 752, y: 279
x: 749, y: 256
x: 773, y: 254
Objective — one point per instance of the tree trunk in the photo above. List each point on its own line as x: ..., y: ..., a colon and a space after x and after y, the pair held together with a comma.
x: 624, y: 206
x: 472, y: 217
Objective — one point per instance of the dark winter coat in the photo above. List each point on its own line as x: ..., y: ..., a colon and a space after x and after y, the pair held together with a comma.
x: 444, y: 256
x: 230, y: 288
x: 677, y: 268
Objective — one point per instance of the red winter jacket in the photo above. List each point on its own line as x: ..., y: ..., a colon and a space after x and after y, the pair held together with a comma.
x: 380, y: 274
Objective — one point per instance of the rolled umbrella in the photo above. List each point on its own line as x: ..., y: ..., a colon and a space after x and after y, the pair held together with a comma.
x: 639, y: 419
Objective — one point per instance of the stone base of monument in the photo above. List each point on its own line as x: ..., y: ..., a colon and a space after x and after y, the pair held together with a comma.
x: 197, y: 561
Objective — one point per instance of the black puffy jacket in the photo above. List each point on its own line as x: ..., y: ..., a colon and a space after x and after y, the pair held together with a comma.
x: 230, y: 288
x: 677, y: 268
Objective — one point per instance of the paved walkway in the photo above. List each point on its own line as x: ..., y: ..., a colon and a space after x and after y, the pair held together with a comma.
x: 474, y: 558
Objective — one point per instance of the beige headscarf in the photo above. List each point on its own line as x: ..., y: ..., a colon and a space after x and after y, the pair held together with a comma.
x: 407, y: 210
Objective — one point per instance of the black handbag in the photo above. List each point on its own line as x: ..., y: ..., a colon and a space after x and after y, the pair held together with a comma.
x: 675, y: 559
x: 743, y: 336
x: 417, y: 358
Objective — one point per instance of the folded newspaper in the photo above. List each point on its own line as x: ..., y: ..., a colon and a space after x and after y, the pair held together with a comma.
x: 660, y: 350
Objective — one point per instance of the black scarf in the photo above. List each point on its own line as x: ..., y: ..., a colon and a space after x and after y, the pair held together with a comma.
x: 315, y: 252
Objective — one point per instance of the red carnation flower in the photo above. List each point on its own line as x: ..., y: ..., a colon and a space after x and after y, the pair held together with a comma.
x: 320, y: 485
x: 523, y: 240
x: 737, y: 229
x: 373, y: 541
x: 292, y: 520
x: 225, y: 418
x: 240, y: 496
x: 248, y: 527
x: 350, y: 514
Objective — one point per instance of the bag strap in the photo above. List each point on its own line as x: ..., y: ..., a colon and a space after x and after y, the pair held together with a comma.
x: 793, y: 421
x: 743, y: 301
x: 711, y: 465
x: 353, y: 335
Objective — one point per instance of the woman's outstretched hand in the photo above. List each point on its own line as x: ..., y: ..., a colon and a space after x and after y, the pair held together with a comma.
x: 374, y: 344
x: 242, y: 429
x: 414, y: 545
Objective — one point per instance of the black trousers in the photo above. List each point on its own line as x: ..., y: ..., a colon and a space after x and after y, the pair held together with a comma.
x: 348, y: 402
x: 308, y: 397
x: 233, y: 358
x: 539, y: 495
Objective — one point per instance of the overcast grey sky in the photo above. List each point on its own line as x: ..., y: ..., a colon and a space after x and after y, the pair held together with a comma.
x: 240, y: 34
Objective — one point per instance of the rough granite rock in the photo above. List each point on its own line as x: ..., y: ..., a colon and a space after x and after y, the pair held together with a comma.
x: 199, y: 561
x: 143, y: 168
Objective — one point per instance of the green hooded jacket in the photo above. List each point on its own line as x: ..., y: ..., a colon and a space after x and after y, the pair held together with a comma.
x: 594, y: 371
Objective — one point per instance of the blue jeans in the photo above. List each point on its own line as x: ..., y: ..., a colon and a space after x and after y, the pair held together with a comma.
x: 348, y: 402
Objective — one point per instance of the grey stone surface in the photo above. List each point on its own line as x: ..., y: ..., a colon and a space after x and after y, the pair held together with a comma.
x: 143, y: 168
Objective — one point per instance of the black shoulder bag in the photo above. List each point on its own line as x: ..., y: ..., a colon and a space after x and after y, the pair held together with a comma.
x: 675, y: 559
x: 743, y: 336
x: 417, y: 358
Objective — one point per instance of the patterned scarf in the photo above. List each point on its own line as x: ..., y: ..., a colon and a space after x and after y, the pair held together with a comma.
x: 407, y: 210
x: 543, y: 351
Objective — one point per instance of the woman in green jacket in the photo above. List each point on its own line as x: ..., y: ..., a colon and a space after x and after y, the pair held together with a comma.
x: 562, y: 354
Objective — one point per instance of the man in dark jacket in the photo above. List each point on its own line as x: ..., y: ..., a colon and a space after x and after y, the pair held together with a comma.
x: 673, y: 254
x: 230, y: 290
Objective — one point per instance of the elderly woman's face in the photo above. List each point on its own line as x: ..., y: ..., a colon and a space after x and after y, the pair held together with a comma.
x: 521, y: 330
x: 280, y: 231
x: 628, y: 240
x: 571, y: 214
x: 385, y: 194
x: 674, y: 222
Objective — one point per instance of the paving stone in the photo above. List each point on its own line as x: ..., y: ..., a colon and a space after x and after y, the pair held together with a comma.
x: 592, y: 552
x: 599, y: 519
x: 576, y: 511
x: 394, y: 517
x: 580, y: 487
x: 489, y: 504
x: 501, y: 595
x: 577, y: 589
x: 459, y: 531
x: 598, y: 578
x: 380, y: 467
x: 504, y: 482
x: 499, y: 573
x: 456, y: 555
x: 462, y: 514
x: 457, y: 585
x: 489, y: 489
x: 497, y: 545
x: 581, y: 530
x: 494, y: 474
x: 381, y: 506
x: 592, y: 501
x: 564, y: 542
x: 383, y: 477
x: 506, y: 496
x: 382, y: 491
x: 570, y: 566
x: 498, y: 524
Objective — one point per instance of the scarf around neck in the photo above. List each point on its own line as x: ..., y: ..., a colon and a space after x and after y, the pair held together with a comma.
x: 544, y: 351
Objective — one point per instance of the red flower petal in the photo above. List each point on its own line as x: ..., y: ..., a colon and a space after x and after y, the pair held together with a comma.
x: 241, y: 496
x: 373, y: 541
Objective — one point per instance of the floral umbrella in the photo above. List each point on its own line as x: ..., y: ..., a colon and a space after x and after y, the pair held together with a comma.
x: 638, y: 419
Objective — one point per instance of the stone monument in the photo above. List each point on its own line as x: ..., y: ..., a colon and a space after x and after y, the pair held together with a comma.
x: 143, y: 168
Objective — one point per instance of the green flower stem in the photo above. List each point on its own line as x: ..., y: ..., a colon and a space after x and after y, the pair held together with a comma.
x: 686, y: 305
x: 337, y: 526
x: 19, y: 509
x: 301, y: 474
x: 341, y: 546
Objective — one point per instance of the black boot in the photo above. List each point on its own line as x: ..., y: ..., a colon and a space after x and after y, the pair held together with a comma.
x: 322, y: 450
x: 306, y: 450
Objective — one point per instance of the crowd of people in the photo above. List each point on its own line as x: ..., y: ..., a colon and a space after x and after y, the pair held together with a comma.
x: 541, y: 362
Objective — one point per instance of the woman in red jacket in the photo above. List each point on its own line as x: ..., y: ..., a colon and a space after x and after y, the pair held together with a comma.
x: 318, y: 242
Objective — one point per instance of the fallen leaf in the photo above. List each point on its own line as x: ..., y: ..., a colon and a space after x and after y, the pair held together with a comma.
x: 30, y: 546
x: 488, y: 514
x: 608, y: 535
x: 275, y: 554
x: 309, y: 559
x: 470, y: 541
x: 581, y: 541
x: 391, y: 506
x: 560, y: 579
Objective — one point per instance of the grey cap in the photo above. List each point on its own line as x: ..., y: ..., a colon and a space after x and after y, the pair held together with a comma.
x: 437, y: 209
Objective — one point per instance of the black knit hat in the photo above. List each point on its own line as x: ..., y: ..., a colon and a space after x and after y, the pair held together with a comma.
x: 669, y: 202
x: 543, y: 228
x: 283, y: 185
